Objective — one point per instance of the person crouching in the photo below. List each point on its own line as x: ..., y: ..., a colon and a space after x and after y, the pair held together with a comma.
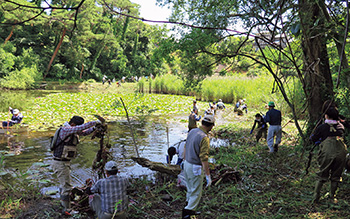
x: 110, y: 194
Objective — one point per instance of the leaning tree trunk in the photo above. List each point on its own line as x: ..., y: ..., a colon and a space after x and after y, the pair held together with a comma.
x: 56, y: 51
x: 318, y: 80
x: 10, y: 35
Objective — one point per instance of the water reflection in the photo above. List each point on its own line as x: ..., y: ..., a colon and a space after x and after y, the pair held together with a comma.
x: 153, y: 138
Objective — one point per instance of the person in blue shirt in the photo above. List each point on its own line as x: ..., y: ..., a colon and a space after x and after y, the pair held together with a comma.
x: 274, y: 134
x: 261, y: 129
x: 15, y: 119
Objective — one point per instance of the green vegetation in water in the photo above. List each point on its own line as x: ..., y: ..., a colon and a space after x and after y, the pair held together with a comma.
x: 52, y: 110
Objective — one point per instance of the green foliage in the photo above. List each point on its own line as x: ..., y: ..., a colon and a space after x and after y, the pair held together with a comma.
x: 7, y: 61
x: 101, y: 44
x: 19, y: 72
x: 20, y: 79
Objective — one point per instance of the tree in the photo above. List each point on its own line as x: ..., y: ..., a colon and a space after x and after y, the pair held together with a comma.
x: 269, y: 23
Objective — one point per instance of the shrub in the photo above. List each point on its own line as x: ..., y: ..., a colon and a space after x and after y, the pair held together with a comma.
x: 20, y: 79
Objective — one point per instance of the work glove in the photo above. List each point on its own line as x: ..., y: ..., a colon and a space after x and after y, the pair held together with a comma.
x: 10, y: 108
x: 263, y: 126
x: 251, y: 132
x: 208, y: 178
x: 98, y: 122
x: 200, y: 117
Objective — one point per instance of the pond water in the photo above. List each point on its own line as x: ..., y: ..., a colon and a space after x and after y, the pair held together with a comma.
x: 153, y: 138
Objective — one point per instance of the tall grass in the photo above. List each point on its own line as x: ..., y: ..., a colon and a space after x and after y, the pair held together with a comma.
x: 257, y: 90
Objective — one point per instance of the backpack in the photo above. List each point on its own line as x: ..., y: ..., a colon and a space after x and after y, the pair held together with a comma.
x: 53, y: 139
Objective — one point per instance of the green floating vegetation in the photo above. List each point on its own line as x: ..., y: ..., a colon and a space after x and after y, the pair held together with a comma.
x: 51, y: 111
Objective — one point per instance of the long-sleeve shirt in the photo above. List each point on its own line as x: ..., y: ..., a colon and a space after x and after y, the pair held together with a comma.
x: 192, y: 120
x: 112, y: 190
x: 327, y: 130
x: 273, y: 117
x: 16, y: 119
x: 68, y: 130
x: 261, y: 124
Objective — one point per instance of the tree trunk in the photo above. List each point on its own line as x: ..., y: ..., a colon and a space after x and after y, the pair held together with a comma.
x: 82, y: 70
x: 55, y: 53
x: 318, y: 80
x: 10, y: 35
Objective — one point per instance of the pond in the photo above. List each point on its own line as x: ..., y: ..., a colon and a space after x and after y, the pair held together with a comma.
x: 153, y: 136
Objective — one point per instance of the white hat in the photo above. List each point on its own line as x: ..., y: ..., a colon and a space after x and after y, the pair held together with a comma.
x: 15, y: 111
x: 111, y: 165
x: 209, y: 119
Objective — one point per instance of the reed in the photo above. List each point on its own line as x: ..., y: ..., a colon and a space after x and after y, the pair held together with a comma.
x: 256, y: 90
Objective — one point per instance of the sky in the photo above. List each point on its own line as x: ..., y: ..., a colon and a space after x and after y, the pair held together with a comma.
x: 150, y: 11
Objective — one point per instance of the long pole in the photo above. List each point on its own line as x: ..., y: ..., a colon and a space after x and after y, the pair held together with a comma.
x: 167, y: 136
x: 131, y: 129
x: 8, y: 122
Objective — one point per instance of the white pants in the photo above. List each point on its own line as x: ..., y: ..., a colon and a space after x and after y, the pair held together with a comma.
x: 194, y: 179
x: 274, y: 131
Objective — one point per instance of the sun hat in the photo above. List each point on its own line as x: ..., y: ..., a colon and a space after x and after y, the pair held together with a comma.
x: 209, y: 119
x: 15, y: 111
x: 271, y: 103
x: 111, y: 165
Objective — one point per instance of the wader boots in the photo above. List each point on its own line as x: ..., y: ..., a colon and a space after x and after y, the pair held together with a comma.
x: 186, y: 214
x: 334, y: 186
x: 317, y: 192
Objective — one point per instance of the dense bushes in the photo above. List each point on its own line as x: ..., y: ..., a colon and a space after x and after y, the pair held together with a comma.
x: 19, y: 72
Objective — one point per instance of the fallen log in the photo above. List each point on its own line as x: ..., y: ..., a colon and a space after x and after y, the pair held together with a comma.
x: 158, y: 166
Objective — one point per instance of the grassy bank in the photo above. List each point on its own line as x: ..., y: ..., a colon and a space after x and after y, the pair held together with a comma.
x: 271, y: 186
x: 256, y: 90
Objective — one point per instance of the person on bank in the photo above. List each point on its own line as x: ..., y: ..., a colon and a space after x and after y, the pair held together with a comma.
x: 192, y: 119
x: 15, y: 119
x: 195, y: 107
x: 108, y: 192
x: 220, y: 105
x: 64, y: 150
x: 261, y: 128
x: 332, y: 153
x: 179, y: 149
x: 196, y: 162
x: 210, y: 111
x: 274, y: 118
